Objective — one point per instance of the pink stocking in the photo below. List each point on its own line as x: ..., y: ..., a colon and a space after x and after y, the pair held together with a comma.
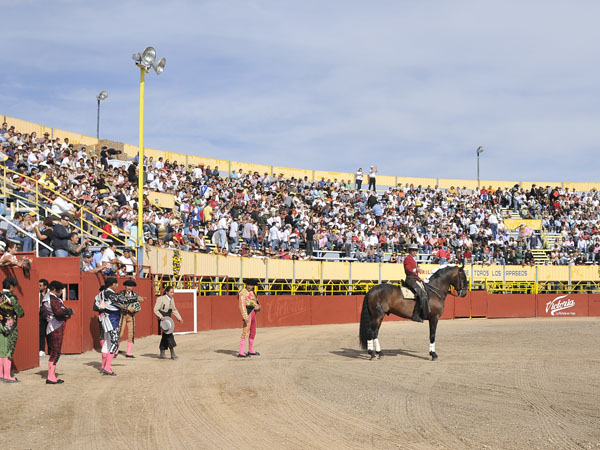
x: 7, y: 364
x: 242, y: 346
x: 2, y: 368
x: 251, y: 346
x: 129, y: 347
x: 109, y: 358
x: 51, y: 371
x: 101, y: 343
x: 104, y: 355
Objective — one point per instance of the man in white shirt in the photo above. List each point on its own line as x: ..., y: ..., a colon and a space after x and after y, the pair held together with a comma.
x: 60, y: 206
x: 233, y: 235
x: 109, y: 258
x: 222, y: 232
x: 127, y: 262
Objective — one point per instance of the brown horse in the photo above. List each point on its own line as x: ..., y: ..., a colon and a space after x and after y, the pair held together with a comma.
x: 389, y: 299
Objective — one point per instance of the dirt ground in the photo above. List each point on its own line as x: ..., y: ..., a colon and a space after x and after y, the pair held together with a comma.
x: 499, y: 384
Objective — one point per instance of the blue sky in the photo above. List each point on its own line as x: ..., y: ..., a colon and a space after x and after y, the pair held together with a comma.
x: 413, y: 87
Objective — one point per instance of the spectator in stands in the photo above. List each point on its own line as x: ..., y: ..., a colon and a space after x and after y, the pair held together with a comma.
x: 13, y: 234
x: 358, y: 178
x: 61, y: 236
x: 74, y: 247
x: 372, y: 178
x: 9, y: 258
x: 127, y: 263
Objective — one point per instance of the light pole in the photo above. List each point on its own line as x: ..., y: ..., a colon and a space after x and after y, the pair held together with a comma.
x: 145, y: 61
x: 102, y: 95
x: 479, y: 152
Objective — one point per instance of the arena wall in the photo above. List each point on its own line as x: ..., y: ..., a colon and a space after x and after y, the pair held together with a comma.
x: 160, y: 261
x: 221, y: 312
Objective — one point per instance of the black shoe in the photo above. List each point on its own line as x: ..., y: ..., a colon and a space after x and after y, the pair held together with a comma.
x: 106, y: 372
x: 5, y: 380
x: 241, y: 355
x: 59, y: 381
x: 253, y: 354
x: 129, y: 356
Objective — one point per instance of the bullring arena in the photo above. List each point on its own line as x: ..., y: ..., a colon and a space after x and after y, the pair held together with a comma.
x: 518, y: 362
x: 499, y: 384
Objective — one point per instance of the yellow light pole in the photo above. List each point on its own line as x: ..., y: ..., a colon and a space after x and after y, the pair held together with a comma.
x: 140, y: 226
x: 144, y: 61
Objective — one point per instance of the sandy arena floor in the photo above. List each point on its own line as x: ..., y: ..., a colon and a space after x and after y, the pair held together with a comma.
x: 500, y: 384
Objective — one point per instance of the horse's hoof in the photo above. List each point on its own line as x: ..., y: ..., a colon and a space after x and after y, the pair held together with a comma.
x: 434, y: 356
x: 372, y: 355
x: 379, y: 355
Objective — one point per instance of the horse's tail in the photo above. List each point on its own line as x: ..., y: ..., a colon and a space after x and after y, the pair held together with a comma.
x: 365, y: 323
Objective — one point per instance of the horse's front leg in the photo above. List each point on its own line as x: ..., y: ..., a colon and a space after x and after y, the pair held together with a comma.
x: 432, y: 327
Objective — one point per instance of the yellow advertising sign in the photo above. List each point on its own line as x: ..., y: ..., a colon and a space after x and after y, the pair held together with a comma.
x: 161, y: 199
x: 513, y: 224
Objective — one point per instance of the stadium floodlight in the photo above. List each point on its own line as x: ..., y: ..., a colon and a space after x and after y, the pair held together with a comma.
x: 102, y: 95
x: 160, y: 66
x: 148, y: 57
x: 144, y: 60
x: 479, y: 152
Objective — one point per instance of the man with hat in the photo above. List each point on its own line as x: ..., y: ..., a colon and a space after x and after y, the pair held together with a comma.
x: 165, y: 306
x: 56, y: 314
x: 414, y: 282
x: 249, y: 306
x: 131, y: 305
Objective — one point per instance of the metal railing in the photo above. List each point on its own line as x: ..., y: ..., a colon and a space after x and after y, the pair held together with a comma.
x: 213, y: 285
x: 38, y: 196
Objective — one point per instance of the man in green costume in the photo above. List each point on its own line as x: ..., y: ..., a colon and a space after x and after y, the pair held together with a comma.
x: 10, y: 311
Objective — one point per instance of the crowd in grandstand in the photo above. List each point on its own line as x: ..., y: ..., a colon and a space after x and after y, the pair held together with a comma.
x: 264, y: 215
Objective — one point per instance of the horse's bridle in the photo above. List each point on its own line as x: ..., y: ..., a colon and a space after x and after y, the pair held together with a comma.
x: 442, y: 295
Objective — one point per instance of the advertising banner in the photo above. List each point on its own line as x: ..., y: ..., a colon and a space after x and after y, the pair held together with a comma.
x: 562, y: 305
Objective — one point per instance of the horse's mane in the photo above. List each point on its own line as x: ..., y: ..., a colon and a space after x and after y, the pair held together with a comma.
x: 438, y: 269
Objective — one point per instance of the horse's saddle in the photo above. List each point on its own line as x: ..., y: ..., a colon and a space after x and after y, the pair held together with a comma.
x: 407, y: 293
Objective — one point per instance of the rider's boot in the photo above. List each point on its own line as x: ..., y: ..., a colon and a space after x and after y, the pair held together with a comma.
x: 416, y: 316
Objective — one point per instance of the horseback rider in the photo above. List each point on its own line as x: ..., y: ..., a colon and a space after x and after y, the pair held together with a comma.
x: 414, y: 282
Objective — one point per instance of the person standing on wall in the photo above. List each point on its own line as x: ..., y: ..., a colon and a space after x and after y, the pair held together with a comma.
x: 359, y: 177
x: 249, y: 306
x: 56, y: 316
x: 10, y: 311
x: 372, y: 175
x: 165, y: 306
x: 44, y: 295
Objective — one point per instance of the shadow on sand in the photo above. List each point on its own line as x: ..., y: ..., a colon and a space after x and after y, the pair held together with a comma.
x: 227, y: 352
x: 362, y: 354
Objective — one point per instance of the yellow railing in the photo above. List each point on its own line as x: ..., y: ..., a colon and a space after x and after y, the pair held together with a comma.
x: 10, y: 188
x: 213, y: 286
x: 38, y: 193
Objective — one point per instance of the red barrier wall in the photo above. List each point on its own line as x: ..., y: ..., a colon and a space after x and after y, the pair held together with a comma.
x: 26, y: 355
x: 185, y: 305
x: 216, y: 312
x: 479, y: 303
x: 562, y: 305
x: 511, y: 305
x: 290, y: 310
x: 594, y: 305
